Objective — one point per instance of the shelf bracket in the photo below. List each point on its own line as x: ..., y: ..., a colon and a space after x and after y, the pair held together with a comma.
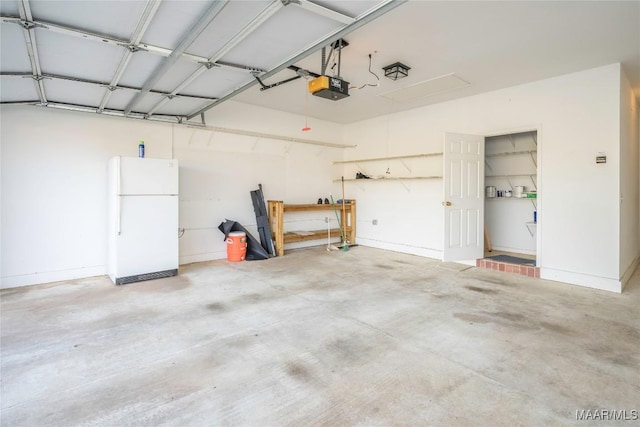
x: 488, y: 165
x: 533, y: 159
x: 405, y: 185
x: 533, y: 182
x: 405, y: 165
x: 529, y: 229
x: 513, y: 143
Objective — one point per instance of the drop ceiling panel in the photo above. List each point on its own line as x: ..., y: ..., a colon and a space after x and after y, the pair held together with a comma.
x: 180, y: 71
x: 349, y: 8
x: 233, y: 18
x: 181, y: 106
x: 69, y: 92
x: 172, y: 20
x: 288, y: 32
x: 140, y: 68
x: 15, y: 57
x: 14, y: 89
x: 9, y: 8
x: 119, y: 99
x: 76, y: 57
x: 217, y: 82
x: 114, y: 18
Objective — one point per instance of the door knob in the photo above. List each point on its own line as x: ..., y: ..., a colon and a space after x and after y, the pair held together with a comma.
x: 447, y: 203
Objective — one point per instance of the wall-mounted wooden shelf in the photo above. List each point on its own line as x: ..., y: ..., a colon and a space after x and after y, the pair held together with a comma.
x: 277, y: 209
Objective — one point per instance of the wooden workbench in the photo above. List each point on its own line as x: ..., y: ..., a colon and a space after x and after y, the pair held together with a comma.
x: 278, y: 208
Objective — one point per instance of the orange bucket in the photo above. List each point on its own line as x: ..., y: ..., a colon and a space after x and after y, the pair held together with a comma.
x: 236, y: 246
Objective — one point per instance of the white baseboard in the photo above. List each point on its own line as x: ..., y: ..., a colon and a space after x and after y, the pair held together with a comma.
x: 627, y: 274
x: 595, y: 282
x: 398, y: 247
x: 513, y: 250
x: 209, y: 256
x: 51, y: 276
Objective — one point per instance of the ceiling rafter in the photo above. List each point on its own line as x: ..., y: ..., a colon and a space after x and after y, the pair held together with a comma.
x: 359, y: 21
x: 143, y: 23
x: 185, y: 42
x: 106, y: 85
x: 32, y: 48
x: 122, y: 43
x: 268, y: 12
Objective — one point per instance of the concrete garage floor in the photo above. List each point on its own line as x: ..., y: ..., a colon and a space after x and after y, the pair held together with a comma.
x: 366, y: 337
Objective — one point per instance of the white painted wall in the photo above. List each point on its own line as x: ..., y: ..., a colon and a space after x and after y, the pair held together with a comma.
x: 576, y: 117
x: 54, y: 176
x: 629, y: 176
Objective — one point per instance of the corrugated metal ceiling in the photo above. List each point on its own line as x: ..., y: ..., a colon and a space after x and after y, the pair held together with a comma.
x: 160, y: 60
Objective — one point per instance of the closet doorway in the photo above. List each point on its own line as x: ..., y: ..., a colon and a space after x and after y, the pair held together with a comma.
x: 511, y: 205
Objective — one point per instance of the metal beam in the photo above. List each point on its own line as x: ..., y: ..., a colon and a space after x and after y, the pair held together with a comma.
x: 324, y: 11
x: 32, y: 48
x: 105, y: 85
x: 185, y: 42
x: 122, y: 43
x: 361, y: 20
x: 269, y: 11
x: 143, y: 23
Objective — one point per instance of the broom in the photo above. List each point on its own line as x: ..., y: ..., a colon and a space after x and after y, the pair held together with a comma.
x: 345, y: 247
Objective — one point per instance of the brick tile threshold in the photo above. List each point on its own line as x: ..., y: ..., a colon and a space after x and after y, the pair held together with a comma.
x: 525, y: 270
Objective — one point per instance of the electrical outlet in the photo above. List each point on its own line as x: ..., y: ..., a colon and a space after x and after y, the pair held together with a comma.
x: 374, y: 222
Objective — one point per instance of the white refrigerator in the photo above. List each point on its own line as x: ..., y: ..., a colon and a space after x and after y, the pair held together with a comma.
x: 143, y: 219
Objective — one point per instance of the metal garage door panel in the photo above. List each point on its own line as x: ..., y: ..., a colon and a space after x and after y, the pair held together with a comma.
x: 181, y: 106
x: 176, y: 74
x: 14, y: 89
x: 114, y: 18
x: 9, y: 8
x: 217, y: 82
x: 231, y: 20
x: 287, y: 32
x: 76, y: 57
x: 119, y: 99
x: 15, y: 57
x: 349, y: 8
x: 140, y: 67
x: 69, y: 92
x: 172, y: 20
x: 148, y: 102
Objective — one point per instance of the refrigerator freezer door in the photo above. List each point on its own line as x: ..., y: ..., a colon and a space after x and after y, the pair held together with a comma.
x: 142, y: 176
x: 148, y: 239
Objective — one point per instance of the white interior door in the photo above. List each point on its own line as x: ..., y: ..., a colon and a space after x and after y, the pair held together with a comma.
x: 463, y: 197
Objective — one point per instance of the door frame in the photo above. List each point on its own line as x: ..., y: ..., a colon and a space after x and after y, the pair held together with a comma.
x: 539, y: 179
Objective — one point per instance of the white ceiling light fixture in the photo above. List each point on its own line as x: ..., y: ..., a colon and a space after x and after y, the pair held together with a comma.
x: 396, y: 71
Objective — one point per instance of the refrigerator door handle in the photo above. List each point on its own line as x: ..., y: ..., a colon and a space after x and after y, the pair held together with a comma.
x: 119, y: 215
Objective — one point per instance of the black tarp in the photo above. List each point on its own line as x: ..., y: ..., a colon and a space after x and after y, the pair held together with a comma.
x: 255, y: 251
x: 262, y: 220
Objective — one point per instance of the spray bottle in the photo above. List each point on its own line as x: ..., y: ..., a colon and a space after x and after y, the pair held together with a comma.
x: 141, y: 149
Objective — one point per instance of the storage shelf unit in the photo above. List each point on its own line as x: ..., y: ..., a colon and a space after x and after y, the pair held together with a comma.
x: 400, y: 159
x: 278, y: 208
